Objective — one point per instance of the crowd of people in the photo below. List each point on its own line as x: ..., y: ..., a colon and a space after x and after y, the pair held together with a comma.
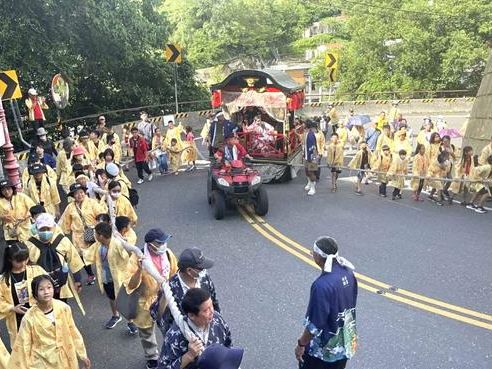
x: 385, y: 149
x: 52, y: 250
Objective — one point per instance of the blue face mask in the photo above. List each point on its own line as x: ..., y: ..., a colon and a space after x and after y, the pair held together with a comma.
x: 34, y: 230
x: 45, y: 235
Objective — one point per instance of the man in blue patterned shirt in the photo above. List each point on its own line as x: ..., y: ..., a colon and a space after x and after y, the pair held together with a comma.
x: 209, y: 328
x: 330, y: 335
x: 192, y: 273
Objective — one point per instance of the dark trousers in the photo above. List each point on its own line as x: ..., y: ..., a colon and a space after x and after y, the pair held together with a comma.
x: 382, y: 188
x: 396, y: 192
x: 421, y: 186
x: 141, y: 167
x: 311, y: 362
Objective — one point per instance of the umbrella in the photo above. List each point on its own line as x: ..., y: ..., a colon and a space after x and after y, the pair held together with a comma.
x: 358, y: 120
x: 451, y: 132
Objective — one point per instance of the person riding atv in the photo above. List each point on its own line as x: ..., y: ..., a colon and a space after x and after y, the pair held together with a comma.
x: 231, y: 182
x: 232, y: 150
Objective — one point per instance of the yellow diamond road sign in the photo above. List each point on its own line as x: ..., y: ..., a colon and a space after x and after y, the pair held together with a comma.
x: 173, y: 53
x: 9, y: 85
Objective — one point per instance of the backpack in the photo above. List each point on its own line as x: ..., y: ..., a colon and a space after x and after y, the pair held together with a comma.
x: 133, y: 196
x: 49, y: 260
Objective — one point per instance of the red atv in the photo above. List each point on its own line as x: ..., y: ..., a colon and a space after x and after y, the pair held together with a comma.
x: 235, y: 184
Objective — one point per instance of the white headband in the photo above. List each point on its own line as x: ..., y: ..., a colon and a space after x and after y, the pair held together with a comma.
x: 329, y: 260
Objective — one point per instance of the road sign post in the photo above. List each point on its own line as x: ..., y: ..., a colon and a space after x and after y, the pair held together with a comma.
x: 331, y: 63
x: 10, y: 162
x: 173, y: 54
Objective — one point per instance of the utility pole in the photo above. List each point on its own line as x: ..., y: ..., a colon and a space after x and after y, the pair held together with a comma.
x: 176, y: 86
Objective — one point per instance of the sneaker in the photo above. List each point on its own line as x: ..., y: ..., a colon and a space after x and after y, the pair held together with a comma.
x: 359, y: 193
x: 399, y: 196
x: 308, y: 186
x: 151, y: 364
x: 471, y: 206
x: 112, y: 322
x: 91, y: 280
x: 132, y: 328
x: 140, y: 181
x: 193, y: 167
x: 480, y: 210
x: 438, y: 202
x: 150, y: 177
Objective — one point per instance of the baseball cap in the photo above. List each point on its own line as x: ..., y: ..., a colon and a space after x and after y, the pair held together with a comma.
x: 112, y: 169
x: 157, y: 235
x: 36, y: 168
x: 193, y: 258
x: 41, y: 132
x: 45, y: 220
x: 75, y: 187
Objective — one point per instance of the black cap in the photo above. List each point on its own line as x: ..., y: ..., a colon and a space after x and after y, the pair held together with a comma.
x: 193, y: 258
x: 6, y: 183
x: 75, y: 187
x: 157, y: 235
x: 36, y: 168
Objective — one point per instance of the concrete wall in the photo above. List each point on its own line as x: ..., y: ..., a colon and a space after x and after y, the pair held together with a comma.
x: 479, y: 129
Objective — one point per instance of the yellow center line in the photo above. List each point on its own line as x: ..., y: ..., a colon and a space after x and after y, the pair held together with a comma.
x: 277, y: 238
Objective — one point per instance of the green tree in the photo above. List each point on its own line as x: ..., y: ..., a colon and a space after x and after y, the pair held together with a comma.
x: 110, y: 50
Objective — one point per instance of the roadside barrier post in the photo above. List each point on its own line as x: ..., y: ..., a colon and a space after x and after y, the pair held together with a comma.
x: 10, y: 162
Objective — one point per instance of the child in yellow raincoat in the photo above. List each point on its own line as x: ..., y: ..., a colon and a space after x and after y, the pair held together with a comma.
x: 399, y: 168
x: 190, y: 150
x: 123, y: 225
x: 17, y: 276
x: 111, y: 260
x: 79, y: 215
x: 174, y: 154
x: 121, y: 205
x: 462, y: 171
x: 48, y: 337
x: 401, y: 142
x: 361, y: 162
x: 14, y: 212
x: 334, y: 159
x: 63, y: 166
x: 483, y: 190
x: 382, y: 163
x: 166, y: 264
x: 43, y: 190
x: 384, y: 139
x: 48, y: 237
x: 438, y: 169
x: 434, y: 147
x: 419, y: 169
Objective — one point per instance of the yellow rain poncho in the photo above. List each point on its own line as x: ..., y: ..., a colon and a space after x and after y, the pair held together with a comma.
x: 47, y: 195
x: 398, y: 167
x: 150, y: 290
x: 44, y: 345
x: 419, y: 168
x: 7, y: 302
x: 17, y: 208
x: 71, y: 222
x: 335, y: 155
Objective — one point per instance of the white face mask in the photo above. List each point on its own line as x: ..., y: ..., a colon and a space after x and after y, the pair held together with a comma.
x: 158, y: 250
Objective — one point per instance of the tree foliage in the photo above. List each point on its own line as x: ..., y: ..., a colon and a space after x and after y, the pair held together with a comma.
x: 415, y: 45
x: 110, y: 50
x: 219, y: 31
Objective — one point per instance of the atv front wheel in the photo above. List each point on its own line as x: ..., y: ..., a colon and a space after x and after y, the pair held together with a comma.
x: 261, y: 202
x: 218, y: 204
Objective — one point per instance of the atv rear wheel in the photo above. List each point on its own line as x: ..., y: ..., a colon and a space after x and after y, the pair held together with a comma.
x: 261, y: 202
x: 218, y: 204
